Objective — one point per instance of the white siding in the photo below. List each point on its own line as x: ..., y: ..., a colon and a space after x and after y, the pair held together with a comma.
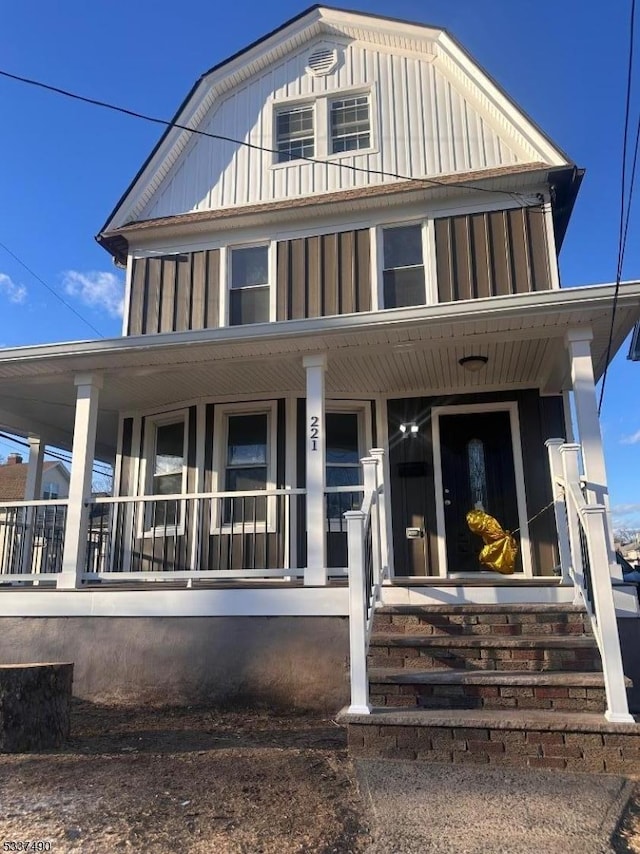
x: 429, y: 120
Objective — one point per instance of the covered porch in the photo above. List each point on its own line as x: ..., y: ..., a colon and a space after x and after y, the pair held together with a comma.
x: 236, y: 451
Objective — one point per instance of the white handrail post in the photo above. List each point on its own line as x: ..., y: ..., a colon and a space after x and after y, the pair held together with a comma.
x: 370, y: 478
x: 357, y: 614
x: 594, y: 519
x: 378, y: 453
x: 559, y: 507
x: 570, y: 455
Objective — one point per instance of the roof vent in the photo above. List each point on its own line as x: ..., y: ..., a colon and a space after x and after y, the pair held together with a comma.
x: 322, y: 61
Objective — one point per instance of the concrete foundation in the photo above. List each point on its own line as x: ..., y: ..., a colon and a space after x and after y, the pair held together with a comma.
x: 282, y: 662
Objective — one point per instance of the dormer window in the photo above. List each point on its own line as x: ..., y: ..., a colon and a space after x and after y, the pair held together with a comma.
x: 295, y: 133
x: 350, y: 124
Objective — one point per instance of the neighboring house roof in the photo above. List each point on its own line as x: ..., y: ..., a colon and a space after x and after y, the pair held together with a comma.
x: 314, y: 22
x: 13, y: 478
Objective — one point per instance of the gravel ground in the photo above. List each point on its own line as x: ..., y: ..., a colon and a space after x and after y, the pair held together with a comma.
x: 186, y: 779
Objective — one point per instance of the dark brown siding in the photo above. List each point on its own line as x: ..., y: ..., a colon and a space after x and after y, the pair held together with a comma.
x: 324, y: 275
x: 174, y: 293
x: 412, y: 480
x: 492, y: 254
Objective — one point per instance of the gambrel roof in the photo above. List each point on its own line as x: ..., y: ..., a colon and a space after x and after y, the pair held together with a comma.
x: 446, y: 116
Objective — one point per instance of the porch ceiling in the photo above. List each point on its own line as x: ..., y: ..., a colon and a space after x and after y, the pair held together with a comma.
x: 396, y: 352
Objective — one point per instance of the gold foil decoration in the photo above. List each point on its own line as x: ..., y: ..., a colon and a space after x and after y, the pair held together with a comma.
x: 500, y: 548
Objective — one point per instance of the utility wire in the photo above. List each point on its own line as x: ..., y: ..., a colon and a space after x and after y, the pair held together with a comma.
x: 221, y: 138
x: 625, y: 211
x: 53, y: 454
x: 51, y: 290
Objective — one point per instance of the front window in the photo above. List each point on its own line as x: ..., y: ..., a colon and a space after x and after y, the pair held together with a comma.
x: 403, y: 270
x: 246, y: 467
x: 350, y: 124
x: 294, y: 133
x: 167, y: 473
x: 249, y: 291
x: 343, y: 462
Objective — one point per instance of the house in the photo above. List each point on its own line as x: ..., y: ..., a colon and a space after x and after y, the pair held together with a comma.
x: 344, y: 329
x: 32, y: 536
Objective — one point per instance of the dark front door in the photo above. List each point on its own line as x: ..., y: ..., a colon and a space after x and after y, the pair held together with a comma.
x: 477, y: 473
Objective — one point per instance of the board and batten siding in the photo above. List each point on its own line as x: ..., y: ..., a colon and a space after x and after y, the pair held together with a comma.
x: 174, y: 293
x: 492, y: 254
x: 426, y: 121
x: 324, y: 275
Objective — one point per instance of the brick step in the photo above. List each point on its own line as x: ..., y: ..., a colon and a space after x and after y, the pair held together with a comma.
x: 483, y: 620
x: 464, y: 689
x: 536, y: 739
x: 484, y: 652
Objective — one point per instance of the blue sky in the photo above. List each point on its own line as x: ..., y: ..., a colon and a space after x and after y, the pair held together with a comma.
x: 63, y: 164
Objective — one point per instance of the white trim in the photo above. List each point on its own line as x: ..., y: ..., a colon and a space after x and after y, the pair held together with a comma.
x: 153, y: 601
x: 464, y: 409
x: 430, y: 262
x: 270, y: 284
x: 552, y: 252
x: 152, y: 422
x: 223, y: 287
x: 221, y: 415
x: 196, y: 541
x: 291, y: 479
x: 375, y: 261
x: 382, y: 437
x: 127, y: 295
x: 426, y: 255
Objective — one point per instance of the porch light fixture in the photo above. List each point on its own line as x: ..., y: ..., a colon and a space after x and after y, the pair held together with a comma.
x: 473, y: 363
x: 409, y: 429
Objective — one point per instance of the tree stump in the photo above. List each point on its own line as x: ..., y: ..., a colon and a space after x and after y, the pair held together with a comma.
x: 35, y: 701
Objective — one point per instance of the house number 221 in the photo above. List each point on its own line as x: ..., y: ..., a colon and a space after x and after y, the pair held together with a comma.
x: 314, y: 432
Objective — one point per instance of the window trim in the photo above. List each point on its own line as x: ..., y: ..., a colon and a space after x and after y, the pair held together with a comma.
x: 428, y: 259
x: 46, y: 496
x: 226, y: 270
x: 152, y: 422
x: 321, y: 103
x: 362, y: 409
x: 288, y: 108
x: 222, y: 412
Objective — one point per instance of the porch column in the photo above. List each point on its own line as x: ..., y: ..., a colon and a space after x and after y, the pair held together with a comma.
x: 316, y: 571
x: 578, y: 344
x: 32, y: 492
x: 84, y: 442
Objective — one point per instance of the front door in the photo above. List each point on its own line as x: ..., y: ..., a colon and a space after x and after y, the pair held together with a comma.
x: 476, y: 453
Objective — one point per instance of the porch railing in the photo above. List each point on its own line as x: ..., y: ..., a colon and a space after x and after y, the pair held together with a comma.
x: 31, y: 539
x: 583, y: 540
x: 213, y: 535
x: 367, y: 570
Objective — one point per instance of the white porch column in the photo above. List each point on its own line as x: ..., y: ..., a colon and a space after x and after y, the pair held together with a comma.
x: 32, y: 492
x: 316, y: 571
x: 84, y: 441
x: 578, y: 343
x: 559, y: 507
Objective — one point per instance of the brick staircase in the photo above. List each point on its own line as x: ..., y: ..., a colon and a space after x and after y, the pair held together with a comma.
x: 498, y: 684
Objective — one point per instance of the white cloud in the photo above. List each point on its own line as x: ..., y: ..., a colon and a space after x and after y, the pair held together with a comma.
x: 626, y: 515
x: 96, y: 289
x: 634, y: 439
x: 12, y: 291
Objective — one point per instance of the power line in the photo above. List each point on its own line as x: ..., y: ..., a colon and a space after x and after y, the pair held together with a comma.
x: 222, y: 138
x: 53, y: 454
x: 51, y: 290
x: 625, y: 211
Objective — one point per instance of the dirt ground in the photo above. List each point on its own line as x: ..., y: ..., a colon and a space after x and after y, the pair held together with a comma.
x: 186, y: 779
x: 200, y: 780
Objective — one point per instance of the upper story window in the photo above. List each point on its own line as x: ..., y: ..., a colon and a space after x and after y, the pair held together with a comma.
x: 50, y: 491
x: 249, y: 285
x: 295, y: 133
x: 350, y: 124
x: 403, y: 266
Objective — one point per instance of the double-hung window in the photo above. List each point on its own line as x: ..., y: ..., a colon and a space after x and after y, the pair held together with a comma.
x: 343, y: 467
x: 246, y: 466
x: 249, y: 285
x: 403, y: 266
x: 167, y: 476
x: 50, y: 491
x: 295, y: 133
x: 350, y: 124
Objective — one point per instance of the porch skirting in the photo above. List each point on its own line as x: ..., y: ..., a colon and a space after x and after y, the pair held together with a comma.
x: 280, y: 662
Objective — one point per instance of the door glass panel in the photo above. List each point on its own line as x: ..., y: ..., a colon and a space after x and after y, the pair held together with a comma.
x: 477, y: 474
